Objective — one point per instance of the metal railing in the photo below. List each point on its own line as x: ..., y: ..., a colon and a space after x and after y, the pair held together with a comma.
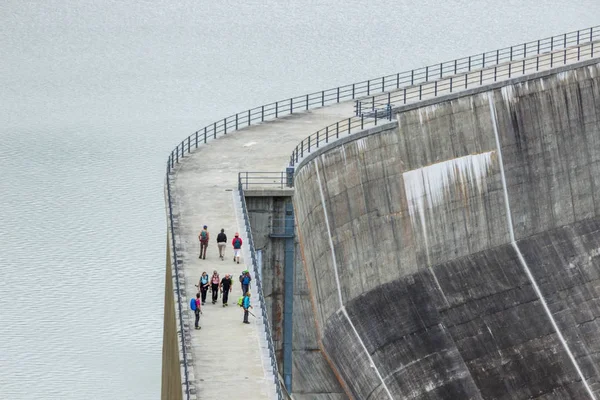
x: 286, y: 107
x: 179, y: 291
x: 382, y: 84
x: 261, y: 180
x: 437, y: 88
x: 258, y: 283
x: 460, y: 67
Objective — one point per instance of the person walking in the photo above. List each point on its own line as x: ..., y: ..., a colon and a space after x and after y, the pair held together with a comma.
x: 246, y: 278
x: 221, y: 243
x: 214, y: 280
x: 197, y: 308
x: 203, y: 286
x: 246, y: 305
x: 226, y: 288
x: 203, y: 237
x: 237, y: 247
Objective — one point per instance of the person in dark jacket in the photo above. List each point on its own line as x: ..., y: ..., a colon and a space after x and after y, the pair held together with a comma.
x: 246, y: 278
x: 226, y: 288
x: 222, y: 243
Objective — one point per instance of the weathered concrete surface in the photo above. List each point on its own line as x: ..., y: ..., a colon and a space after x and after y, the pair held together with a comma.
x: 415, y: 263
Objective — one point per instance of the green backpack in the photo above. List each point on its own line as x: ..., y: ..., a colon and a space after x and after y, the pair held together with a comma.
x: 241, y: 301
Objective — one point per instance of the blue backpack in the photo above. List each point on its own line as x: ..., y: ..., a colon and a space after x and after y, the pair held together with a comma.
x: 193, y: 304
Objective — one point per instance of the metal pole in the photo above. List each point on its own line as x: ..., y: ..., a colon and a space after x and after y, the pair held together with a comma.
x: 288, y: 305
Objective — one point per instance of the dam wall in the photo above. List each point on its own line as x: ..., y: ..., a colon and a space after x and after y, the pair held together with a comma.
x: 454, y: 252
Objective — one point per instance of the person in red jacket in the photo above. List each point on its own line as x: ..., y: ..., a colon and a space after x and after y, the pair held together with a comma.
x: 237, y: 247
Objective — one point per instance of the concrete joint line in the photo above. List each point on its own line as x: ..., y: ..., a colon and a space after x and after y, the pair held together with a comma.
x: 520, y: 255
x: 339, y: 290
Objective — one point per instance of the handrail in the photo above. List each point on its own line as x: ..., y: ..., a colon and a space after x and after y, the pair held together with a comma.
x: 273, y: 180
x: 286, y: 107
x: 437, y: 88
x: 473, y: 63
x: 178, y: 286
x: 261, y: 297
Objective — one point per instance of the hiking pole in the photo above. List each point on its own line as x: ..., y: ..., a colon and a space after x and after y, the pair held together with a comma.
x: 250, y: 312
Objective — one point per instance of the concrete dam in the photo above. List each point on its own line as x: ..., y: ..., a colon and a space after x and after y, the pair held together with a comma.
x: 454, y: 253
x: 448, y: 250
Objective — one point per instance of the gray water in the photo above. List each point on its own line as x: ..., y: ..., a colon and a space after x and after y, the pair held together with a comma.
x: 95, y: 94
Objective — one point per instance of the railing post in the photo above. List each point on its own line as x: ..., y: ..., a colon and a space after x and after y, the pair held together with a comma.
x: 537, y: 63
x: 337, y: 130
x: 591, y: 34
x: 538, y: 47
x: 276, y: 109
x: 309, y: 144
x: 578, y: 37
x: 420, y: 91
x: 353, y: 91
x: 302, y: 148
x: 469, y: 68
x: 565, y: 58
x: 307, y: 102
x: 466, y: 79
x: 509, y: 69
x: 172, y: 161
x: 523, y: 67
x: 189, y: 147
x: 404, y: 95
x: 441, y: 70
x: 551, y: 59
x: 450, y: 84
x: 215, y: 130
x: 292, y: 105
x: 236, y: 122
x: 318, y: 139
x: 373, y: 103
x: 225, y: 125
x: 177, y: 155
x: 565, y: 41
x: 578, y: 52
x: 389, y: 98
x: 592, y: 56
x: 362, y: 122
x: 552, y: 43
x: 455, y: 65
x: 182, y: 148
x: 205, y: 135
x: 249, y: 117
x: 338, y: 94
x: 246, y: 180
x: 511, y: 53
x: 483, y: 61
x: 368, y: 87
x: 524, y: 50
x: 262, y: 113
x: 382, y: 84
x: 375, y: 117
x: 497, y: 56
x: 327, y: 134
x: 412, y: 77
x: 435, y: 89
x: 196, y: 139
x: 322, y: 98
x: 398, y: 81
x: 427, y: 74
x: 349, y: 122
x: 480, y: 77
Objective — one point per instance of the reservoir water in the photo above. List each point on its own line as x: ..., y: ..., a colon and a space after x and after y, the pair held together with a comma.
x: 95, y: 94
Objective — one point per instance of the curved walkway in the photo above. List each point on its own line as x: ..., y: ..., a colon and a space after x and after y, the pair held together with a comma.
x: 229, y: 357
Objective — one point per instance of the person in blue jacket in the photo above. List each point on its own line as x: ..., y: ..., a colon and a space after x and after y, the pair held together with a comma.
x: 247, y: 307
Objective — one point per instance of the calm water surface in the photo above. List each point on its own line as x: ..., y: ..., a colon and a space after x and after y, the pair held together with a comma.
x: 95, y: 94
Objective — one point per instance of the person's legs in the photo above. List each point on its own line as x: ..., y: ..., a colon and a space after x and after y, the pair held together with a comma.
x: 215, y: 292
x: 204, y: 290
x: 244, y: 289
x: 225, y: 297
x: 246, y: 316
x: 197, y: 318
x: 203, y: 248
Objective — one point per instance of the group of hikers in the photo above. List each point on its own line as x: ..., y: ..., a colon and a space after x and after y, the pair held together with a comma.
x: 236, y: 243
x: 217, y: 285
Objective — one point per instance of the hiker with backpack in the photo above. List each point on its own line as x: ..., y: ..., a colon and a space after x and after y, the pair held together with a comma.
x: 237, y: 247
x: 226, y: 288
x: 246, y: 305
x: 214, y: 281
x: 203, y: 286
x: 197, y: 308
x: 221, y: 243
x: 245, y: 281
x: 203, y: 237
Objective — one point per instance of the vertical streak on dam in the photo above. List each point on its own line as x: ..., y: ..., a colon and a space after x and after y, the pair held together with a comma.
x: 522, y: 260
x: 465, y: 237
